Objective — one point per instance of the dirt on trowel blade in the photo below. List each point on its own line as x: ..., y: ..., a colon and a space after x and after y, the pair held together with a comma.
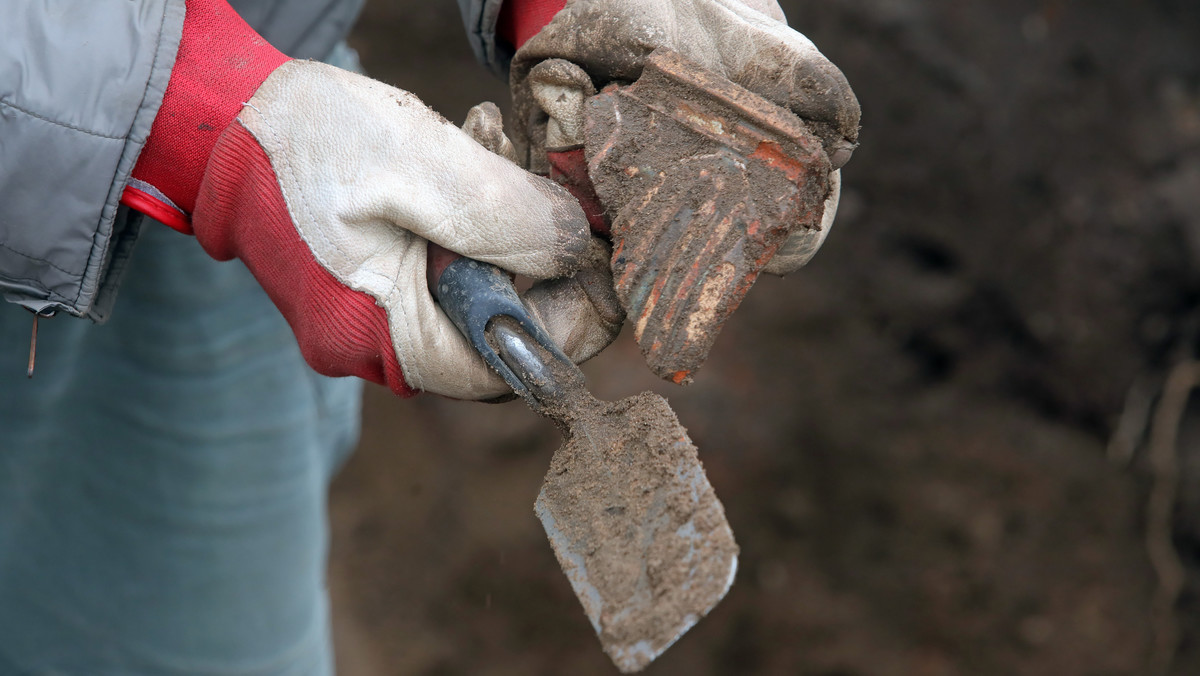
x: 636, y: 526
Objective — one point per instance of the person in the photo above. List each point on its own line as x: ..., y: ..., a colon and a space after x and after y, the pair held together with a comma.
x: 163, y: 475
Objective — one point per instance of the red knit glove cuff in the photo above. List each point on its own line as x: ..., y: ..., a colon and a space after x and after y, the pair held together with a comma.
x: 241, y: 214
x: 220, y: 65
x: 520, y: 20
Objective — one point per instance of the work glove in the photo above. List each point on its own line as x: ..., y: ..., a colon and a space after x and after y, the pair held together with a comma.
x: 566, y: 50
x: 329, y: 186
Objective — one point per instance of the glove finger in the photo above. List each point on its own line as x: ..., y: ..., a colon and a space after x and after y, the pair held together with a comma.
x: 354, y: 155
x: 560, y: 89
x: 485, y: 207
x: 768, y: 7
x: 581, y: 313
x: 767, y: 57
x: 485, y: 124
x: 799, y: 248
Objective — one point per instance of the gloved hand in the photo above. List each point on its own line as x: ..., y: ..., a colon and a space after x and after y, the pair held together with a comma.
x: 568, y: 49
x: 328, y: 186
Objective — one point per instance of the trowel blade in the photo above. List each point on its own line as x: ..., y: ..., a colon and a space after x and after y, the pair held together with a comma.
x: 637, y: 527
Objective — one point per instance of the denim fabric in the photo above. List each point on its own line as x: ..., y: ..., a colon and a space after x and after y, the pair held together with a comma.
x: 163, y: 480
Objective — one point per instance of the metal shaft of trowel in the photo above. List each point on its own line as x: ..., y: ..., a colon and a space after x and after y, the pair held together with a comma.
x: 546, y: 376
x: 520, y: 352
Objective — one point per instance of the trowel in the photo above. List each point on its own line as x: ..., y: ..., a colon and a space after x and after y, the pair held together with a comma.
x: 631, y: 516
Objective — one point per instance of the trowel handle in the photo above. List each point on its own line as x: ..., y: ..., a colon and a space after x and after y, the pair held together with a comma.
x: 473, y: 294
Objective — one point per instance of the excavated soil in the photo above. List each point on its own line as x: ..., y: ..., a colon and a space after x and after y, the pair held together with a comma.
x: 934, y: 443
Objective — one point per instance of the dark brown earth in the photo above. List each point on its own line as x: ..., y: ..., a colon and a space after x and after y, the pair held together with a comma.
x: 934, y: 443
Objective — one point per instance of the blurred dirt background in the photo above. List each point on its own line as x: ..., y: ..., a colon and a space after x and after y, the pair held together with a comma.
x: 936, y: 444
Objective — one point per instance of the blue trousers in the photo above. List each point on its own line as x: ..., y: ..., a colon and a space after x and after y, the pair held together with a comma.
x: 163, y: 480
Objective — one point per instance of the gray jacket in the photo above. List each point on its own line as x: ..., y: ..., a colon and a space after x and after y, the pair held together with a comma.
x: 80, y: 84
